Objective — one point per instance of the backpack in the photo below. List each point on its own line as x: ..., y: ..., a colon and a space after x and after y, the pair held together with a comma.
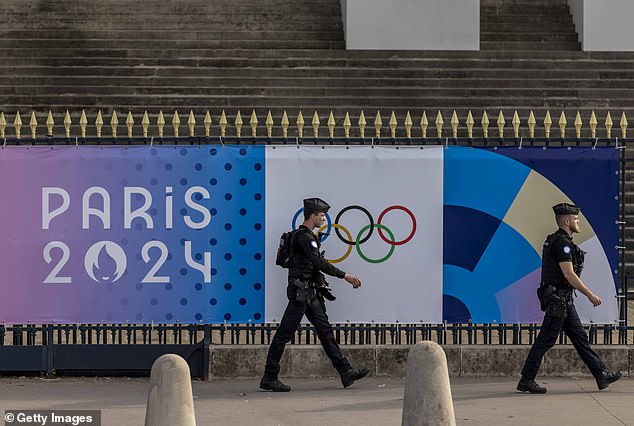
x: 284, y: 256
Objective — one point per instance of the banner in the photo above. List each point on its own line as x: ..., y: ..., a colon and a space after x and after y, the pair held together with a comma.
x: 189, y: 234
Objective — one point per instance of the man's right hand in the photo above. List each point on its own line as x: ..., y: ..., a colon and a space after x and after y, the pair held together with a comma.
x: 594, y: 299
x: 356, y: 282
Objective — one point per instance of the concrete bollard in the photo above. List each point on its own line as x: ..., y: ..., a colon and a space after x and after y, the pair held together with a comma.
x: 427, y: 398
x: 170, y: 400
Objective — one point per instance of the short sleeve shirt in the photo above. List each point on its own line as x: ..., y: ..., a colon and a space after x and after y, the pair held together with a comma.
x: 562, y: 249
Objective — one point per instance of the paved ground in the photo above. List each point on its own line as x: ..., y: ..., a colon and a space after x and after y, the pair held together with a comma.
x: 371, y: 401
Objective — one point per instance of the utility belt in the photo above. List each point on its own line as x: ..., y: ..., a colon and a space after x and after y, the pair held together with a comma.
x: 554, y: 300
x: 307, y: 290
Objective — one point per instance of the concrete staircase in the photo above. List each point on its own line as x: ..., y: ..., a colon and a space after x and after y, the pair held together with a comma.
x: 527, y: 25
x: 289, y: 55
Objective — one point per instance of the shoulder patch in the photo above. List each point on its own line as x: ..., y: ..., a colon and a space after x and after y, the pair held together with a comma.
x: 314, y: 244
x: 566, y: 249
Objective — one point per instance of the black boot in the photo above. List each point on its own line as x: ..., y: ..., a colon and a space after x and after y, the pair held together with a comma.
x: 349, y: 377
x: 606, y: 377
x: 273, y: 385
x: 529, y: 386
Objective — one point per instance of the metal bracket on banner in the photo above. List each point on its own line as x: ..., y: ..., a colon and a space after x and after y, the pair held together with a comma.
x: 521, y: 140
x: 221, y: 142
x: 4, y: 143
x: 372, y: 142
x: 446, y: 143
x: 151, y: 141
x: 619, y: 146
x: 620, y: 247
x: 297, y: 142
x: 596, y: 141
x: 76, y: 142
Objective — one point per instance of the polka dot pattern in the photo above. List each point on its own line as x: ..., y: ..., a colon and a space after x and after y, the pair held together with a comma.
x: 234, y: 177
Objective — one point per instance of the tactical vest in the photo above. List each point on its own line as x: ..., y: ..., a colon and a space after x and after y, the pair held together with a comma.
x: 301, y: 266
x: 551, y: 271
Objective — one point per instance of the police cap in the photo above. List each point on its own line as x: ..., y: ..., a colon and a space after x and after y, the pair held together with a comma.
x: 565, y: 209
x: 316, y: 204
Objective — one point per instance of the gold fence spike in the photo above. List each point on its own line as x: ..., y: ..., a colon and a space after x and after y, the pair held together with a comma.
x: 470, y: 124
x: 593, y: 125
x: 378, y: 123
x: 33, y: 124
x: 424, y: 123
x: 393, y: 125
x: 439, y: 123
x: 408, y: 125
x: 454, y: 124
x: 346, y: 126
x: 531, y: 125
x: 485, y: 124
x: 269, y: 125
x: 238, y: 123
x: 67, y: 123
x: 191, y: 123
x: 315, y: 124
x: 253, y: 121
x: 623, y: 125
x: 83, y: 123
x: 562, y: 124
x: 547, y: 123
x: 207, y: 123
x: 129, y: 123
x: 578, y: 125
x: 223, y: 124
x: 608, y: 125
x: 114, y: 122
x: 501, y: 122
x: 145, y: 123
x: 49, y: 123
x: 160, y: 123
x: 176, y: 122
x: 331, y: 125
x: 285, y: 124
x: 98, y: 123
x: 362, y: 124
x: 17, y: 124
x: 3, y: 124
x: 300, y: 125
x: 516, y: 125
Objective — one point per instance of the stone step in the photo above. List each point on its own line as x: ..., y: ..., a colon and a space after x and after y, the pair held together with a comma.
x: 525, y: 27
x: 398, y: 64
x: 528, y: 37
x: 503, y: 3
x: 321, y: 72
x: 519, y: 45
x: 301, y: 82
x: 525, y: 9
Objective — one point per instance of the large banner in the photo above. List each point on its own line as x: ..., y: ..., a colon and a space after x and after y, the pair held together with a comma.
x: 189, y: 233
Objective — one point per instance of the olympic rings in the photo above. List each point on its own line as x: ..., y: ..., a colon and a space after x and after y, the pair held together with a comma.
x: 389, y: 253
x: 409, y: 237
x: 360, y: 239
x: 342, y: 258
x: 367, y: 213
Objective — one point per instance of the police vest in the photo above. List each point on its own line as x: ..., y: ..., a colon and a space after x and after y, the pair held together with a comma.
x: 301, y: 266
x: 551, y: 271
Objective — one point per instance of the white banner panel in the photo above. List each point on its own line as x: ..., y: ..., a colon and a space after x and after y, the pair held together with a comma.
x: 401, y: 189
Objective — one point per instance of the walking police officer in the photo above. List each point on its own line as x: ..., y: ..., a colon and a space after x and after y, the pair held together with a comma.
x: 562, y: 262
x: 305, y: 295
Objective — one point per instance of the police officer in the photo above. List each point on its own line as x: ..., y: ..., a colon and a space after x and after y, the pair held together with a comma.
x: 562, y: 262
x: 306, y: 297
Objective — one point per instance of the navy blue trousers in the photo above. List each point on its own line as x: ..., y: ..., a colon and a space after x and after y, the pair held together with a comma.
x: 316, y: 314
x: 547, y: 337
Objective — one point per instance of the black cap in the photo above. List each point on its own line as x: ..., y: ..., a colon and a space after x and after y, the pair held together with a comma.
x: 316, y: 204
x: 565, y: 208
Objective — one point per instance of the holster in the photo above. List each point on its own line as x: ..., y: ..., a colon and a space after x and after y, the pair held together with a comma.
x: 305, y: 290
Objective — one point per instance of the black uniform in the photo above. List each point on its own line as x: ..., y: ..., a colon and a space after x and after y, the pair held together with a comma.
x: 304, y: 298
x: 560, y: 309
